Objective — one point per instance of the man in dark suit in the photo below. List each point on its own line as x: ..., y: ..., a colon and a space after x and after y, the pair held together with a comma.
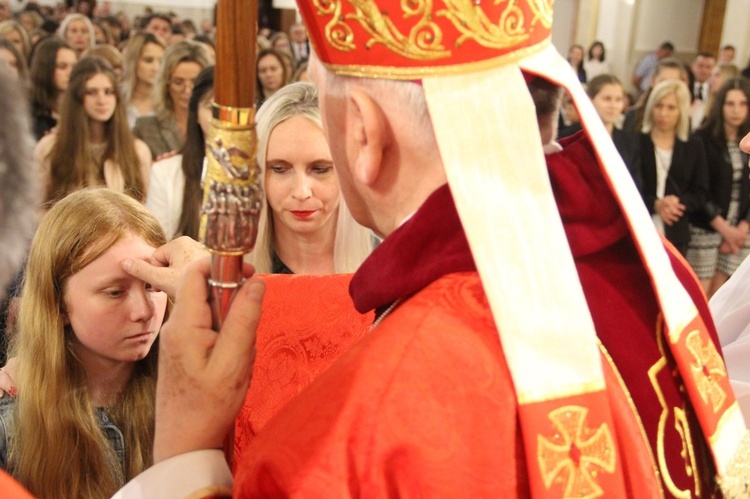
x: 300, y: 44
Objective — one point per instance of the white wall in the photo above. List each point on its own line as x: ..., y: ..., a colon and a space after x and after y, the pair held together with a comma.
x: 615, y: 30
x: 736, y: 33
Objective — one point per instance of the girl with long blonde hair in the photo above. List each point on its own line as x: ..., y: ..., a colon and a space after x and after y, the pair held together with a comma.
x: 83, y: 421
x: 93, y: 144
x: 142, y: 60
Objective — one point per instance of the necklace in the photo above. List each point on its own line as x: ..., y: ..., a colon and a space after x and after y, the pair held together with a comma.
x: 385, y: 314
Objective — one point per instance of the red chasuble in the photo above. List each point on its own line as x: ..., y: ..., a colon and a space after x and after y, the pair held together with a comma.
x: 424, y: 405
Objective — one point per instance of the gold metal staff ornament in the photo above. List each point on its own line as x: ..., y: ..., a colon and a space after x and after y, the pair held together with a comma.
x: 232, y: 201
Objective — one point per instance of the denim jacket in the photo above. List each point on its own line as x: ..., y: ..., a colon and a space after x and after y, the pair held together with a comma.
x: 7, y: 431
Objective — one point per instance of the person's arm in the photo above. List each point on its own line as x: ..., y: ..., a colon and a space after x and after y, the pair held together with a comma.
x: 196, y: 474
x: 41, y: 162
x: 639, y: 73
x: 144, y: 160
x: 733, y: 236
x: 695, y: 193
x: 203, y: 378
x: 160, y: 197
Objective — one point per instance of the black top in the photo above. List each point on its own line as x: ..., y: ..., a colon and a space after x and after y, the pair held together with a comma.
x: 687, y: 179
x: 720, y: 181
x: 277, y: 266
x: 42, y: 125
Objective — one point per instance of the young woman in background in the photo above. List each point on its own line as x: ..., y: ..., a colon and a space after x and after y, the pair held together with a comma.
x: 719, y: 241
x: 93, y: 144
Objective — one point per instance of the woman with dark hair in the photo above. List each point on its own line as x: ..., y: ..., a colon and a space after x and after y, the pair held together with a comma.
x: 93, y: 144
x: 575, y: 58
x: 606, y: 93
x: 175, y: 192
x: 271, y: 75
x: 595, y: 64
x: 51, y: 65
x: 719, y: 241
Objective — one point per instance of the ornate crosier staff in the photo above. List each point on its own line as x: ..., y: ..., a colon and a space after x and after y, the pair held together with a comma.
x: 232, y: 195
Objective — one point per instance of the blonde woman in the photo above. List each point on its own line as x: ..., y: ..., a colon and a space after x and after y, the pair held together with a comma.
x: 15, y: 33
x: 675, y: 174
x: 143, y: 55
x: 83, y: 422
x: 306, y: 227
x: 77, y: 30
x: 165, y: 131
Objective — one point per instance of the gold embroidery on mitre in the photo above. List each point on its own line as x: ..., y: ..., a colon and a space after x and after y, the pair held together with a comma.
x: 425, y: 37
x: 424, y: 40
x: 338, y: 34
x: 680, y: 424
x: 708, y: 368
x: 542, y: 10
x: 575, y: 454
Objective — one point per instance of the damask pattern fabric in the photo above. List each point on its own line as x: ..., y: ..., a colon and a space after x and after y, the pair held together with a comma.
x: 307, y: 323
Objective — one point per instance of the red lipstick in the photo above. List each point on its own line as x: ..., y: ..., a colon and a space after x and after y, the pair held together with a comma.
x: 303, y: 214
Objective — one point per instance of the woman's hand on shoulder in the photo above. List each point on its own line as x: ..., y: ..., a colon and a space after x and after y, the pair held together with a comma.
x: 7, y: 373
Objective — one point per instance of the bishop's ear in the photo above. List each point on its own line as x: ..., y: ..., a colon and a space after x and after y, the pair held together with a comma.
x: 369, y: 132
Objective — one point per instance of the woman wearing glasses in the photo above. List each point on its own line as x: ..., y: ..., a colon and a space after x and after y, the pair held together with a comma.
x: 164, y: 132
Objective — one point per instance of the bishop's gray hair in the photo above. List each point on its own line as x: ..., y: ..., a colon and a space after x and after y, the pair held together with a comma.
x: 20, y: 191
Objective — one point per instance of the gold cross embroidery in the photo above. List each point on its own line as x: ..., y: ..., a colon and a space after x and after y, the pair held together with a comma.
x: 708, y: 368
x: 575, y: 454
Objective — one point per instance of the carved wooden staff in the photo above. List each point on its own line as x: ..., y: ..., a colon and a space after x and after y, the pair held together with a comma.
x: 232, y: 195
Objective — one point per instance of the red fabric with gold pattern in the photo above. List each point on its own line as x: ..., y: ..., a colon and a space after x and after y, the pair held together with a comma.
x: 627, y: 317
x: 307, y: 323
x: 380, y: 38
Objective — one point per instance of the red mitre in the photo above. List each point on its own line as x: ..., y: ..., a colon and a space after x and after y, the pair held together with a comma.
x: 411, y: 39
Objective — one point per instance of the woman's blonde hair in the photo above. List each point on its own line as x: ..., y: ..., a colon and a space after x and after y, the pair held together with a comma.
x: 59, y: 449
x: 661, y: 90
x: 353, y: 242
x: 182, y: 51
x: 72, y: 162
x: 8, y: 26
x: 77, y: 17
x: 133, y: 51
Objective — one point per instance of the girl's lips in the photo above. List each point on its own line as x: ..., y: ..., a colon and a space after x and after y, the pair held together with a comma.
x: 303, y: 214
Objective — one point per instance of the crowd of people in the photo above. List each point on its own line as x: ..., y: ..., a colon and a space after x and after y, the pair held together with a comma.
x: 120, y: 112
x: 680, y: 140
